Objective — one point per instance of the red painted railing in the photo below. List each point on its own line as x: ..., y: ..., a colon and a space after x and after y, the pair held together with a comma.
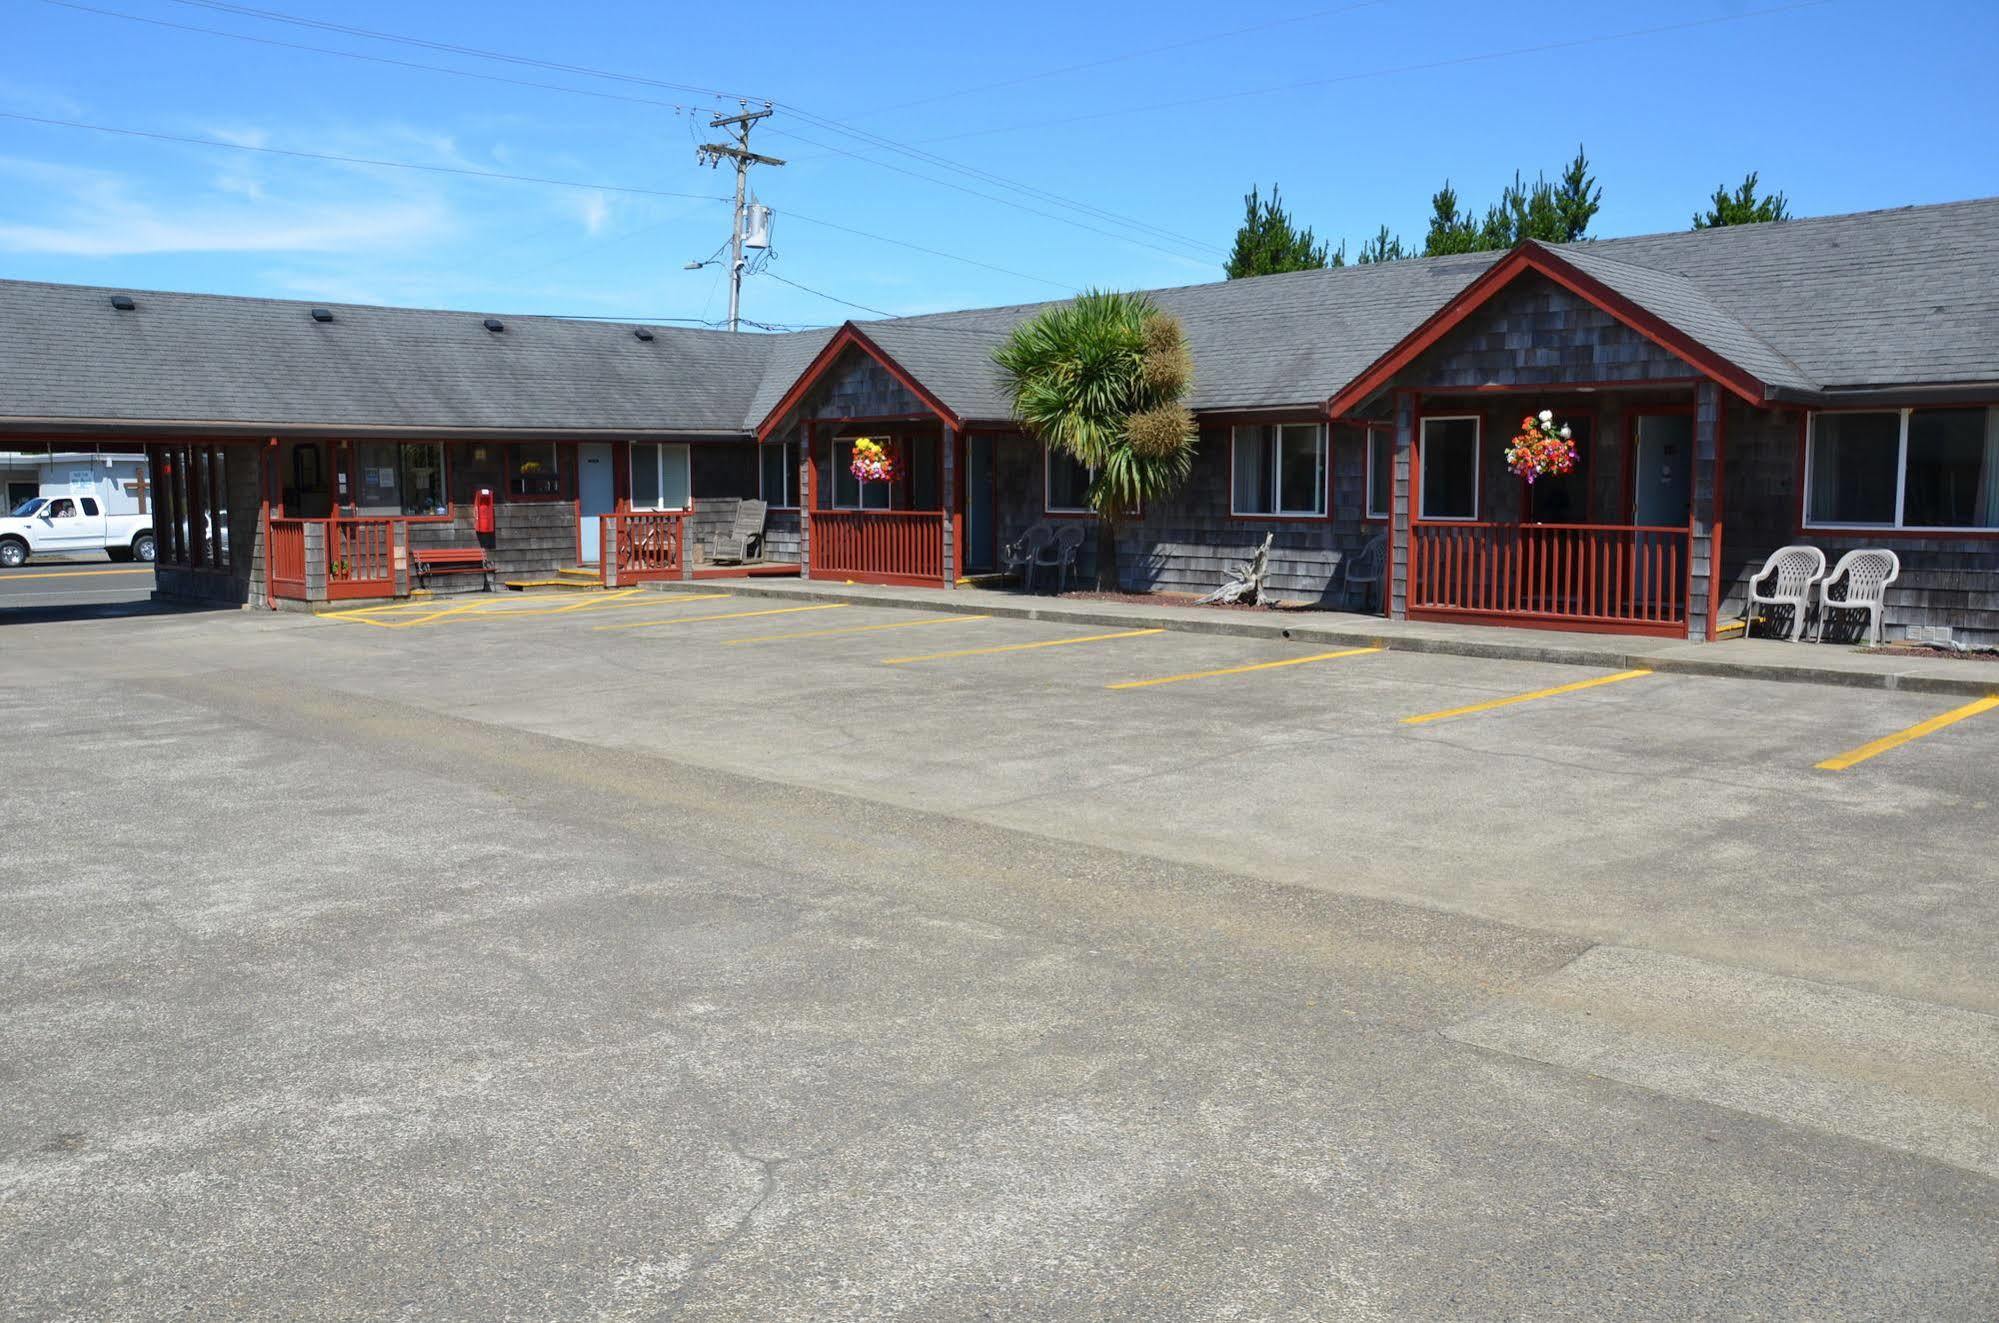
x: 891, y: 546
x: 1620, y: 577
x: 641, y: 544
x: 287, y: 558
x: 360, y: 558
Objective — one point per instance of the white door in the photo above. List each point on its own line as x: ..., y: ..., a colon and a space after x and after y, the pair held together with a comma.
x: 596, y: 494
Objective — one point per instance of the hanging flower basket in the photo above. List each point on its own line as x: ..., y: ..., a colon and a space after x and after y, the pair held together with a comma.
x: 871, y: 461
x: 1542, y: 449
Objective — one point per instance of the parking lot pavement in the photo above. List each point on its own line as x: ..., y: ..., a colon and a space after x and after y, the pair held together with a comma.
x: 43, y: 585
x: 1685, y: 813
x: 745, y: 967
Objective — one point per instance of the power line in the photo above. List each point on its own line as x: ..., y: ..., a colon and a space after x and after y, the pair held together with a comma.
x: 494, y: 174
x: 275, y: 16
x: 1058, y: 71
x: 1000, y: 181
x: 830, y: 298
x: 359, y: 55
x: 359, y: 160
x: 1005, y: 202
x: 1453, y: 62
x: 794, y: 214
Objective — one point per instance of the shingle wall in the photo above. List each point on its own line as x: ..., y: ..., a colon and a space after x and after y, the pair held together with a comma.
x: 1189, y: 542
x: 1945, y: 580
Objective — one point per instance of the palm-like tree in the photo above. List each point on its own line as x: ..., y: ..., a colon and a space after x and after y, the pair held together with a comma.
x: 1102, y: 378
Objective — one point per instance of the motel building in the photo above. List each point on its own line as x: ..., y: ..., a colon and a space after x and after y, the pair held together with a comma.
x: 1832, y: 382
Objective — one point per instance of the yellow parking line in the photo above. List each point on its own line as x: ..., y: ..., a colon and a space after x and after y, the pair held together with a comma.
x: 1577, y: 687
x: 1240, y: 670
x: 855, y: 629
x: 1021, y: 647
x: 727, y: 615
x: 1915, y: 732
x: 68, y: 574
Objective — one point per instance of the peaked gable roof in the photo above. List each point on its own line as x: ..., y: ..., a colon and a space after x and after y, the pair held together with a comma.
x: 1886, y: 299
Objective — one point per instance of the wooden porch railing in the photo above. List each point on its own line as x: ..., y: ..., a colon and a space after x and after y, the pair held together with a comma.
x: 287, y: 558
x: 360, y: 558
x: 1618, y: 577
x: 641, y: 544
x: 889, y: 546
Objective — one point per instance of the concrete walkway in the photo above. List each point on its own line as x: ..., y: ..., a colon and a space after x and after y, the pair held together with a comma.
x: 1755, y: 659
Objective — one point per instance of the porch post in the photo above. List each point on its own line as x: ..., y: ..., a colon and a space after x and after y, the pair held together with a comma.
x: 808, y: 496
x: 399, y: 537
x: 1399, y: 513
x: 947, y: 445
x: 1701, y: 529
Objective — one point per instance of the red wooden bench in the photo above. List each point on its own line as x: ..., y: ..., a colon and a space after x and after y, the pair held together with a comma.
x: 451, y: 560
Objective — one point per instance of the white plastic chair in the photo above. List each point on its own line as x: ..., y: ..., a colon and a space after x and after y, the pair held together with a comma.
x: 1866, y: 574
x: 1796, y: 570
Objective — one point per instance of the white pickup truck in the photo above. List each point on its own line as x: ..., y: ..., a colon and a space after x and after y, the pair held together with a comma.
x: 44, y: 525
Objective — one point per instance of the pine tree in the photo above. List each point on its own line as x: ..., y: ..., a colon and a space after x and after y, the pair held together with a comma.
x: 1743, y: 207
x: 1268, y: 242
x: 1451, y: 231
x: 1553, y: 213
x: 1382, y: 248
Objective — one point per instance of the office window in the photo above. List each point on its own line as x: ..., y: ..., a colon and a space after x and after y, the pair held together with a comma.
x: 1278, y: 469
x: 849, y: 492
x: 1904, y: 468
x: 661, y: 476
x: 1380, y: 472
x: 1065, y: 484
x: 777, y: 474
x: 534, y: 470
x: 1449, y: 480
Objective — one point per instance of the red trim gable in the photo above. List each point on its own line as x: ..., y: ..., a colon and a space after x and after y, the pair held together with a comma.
x: 1531, y: 256
x: 851, y: 336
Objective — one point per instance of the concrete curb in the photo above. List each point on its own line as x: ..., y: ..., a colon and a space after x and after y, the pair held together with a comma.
x: 1231, y: 624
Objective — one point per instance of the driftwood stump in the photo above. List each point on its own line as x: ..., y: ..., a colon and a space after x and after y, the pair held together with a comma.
x: 1245, y: 580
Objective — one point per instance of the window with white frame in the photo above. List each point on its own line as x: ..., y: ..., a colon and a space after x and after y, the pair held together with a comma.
x: 1279, y: 469
x: 1066, y: 484
x: 1380, y: 471
x: 661, y: 476
x: 849, y: 492
x: 1903, y: 468
x: 1449, y: 478
x: 777, y: 476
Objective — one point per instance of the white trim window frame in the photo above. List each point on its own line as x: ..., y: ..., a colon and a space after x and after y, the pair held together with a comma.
x: 1271, y: 438
x: 1423, y: 463
x: 840, y: 473
x: 1899, y: 524
x: 1049, y: 456
x: 1374, y: 435
x: 791, y: 451
x: 661, y: 450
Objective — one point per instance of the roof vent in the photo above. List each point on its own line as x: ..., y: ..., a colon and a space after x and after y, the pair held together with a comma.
x: 321, y: 315
x: 123, y: 302
x: 643, y: 333
x: 494, y: 324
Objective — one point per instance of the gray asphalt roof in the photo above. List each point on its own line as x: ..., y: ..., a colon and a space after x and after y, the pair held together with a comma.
x: 1880, y: 298
x: 65, y: 352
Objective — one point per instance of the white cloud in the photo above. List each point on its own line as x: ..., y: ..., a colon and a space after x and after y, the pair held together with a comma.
x: 92, y: 213
x: 595, y: 209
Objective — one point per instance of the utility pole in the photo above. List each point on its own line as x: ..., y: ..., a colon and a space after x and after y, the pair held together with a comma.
x: 712, y: 154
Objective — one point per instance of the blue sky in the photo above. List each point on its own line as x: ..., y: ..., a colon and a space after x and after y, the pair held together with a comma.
x: 1140, y: 125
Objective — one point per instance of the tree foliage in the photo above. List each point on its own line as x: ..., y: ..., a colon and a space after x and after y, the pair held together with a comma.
x: 1553, y: 212
x: 1104, y: 379
x: 1742, y: 207
x: 1383, y: 247
x: 1268, y: 242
